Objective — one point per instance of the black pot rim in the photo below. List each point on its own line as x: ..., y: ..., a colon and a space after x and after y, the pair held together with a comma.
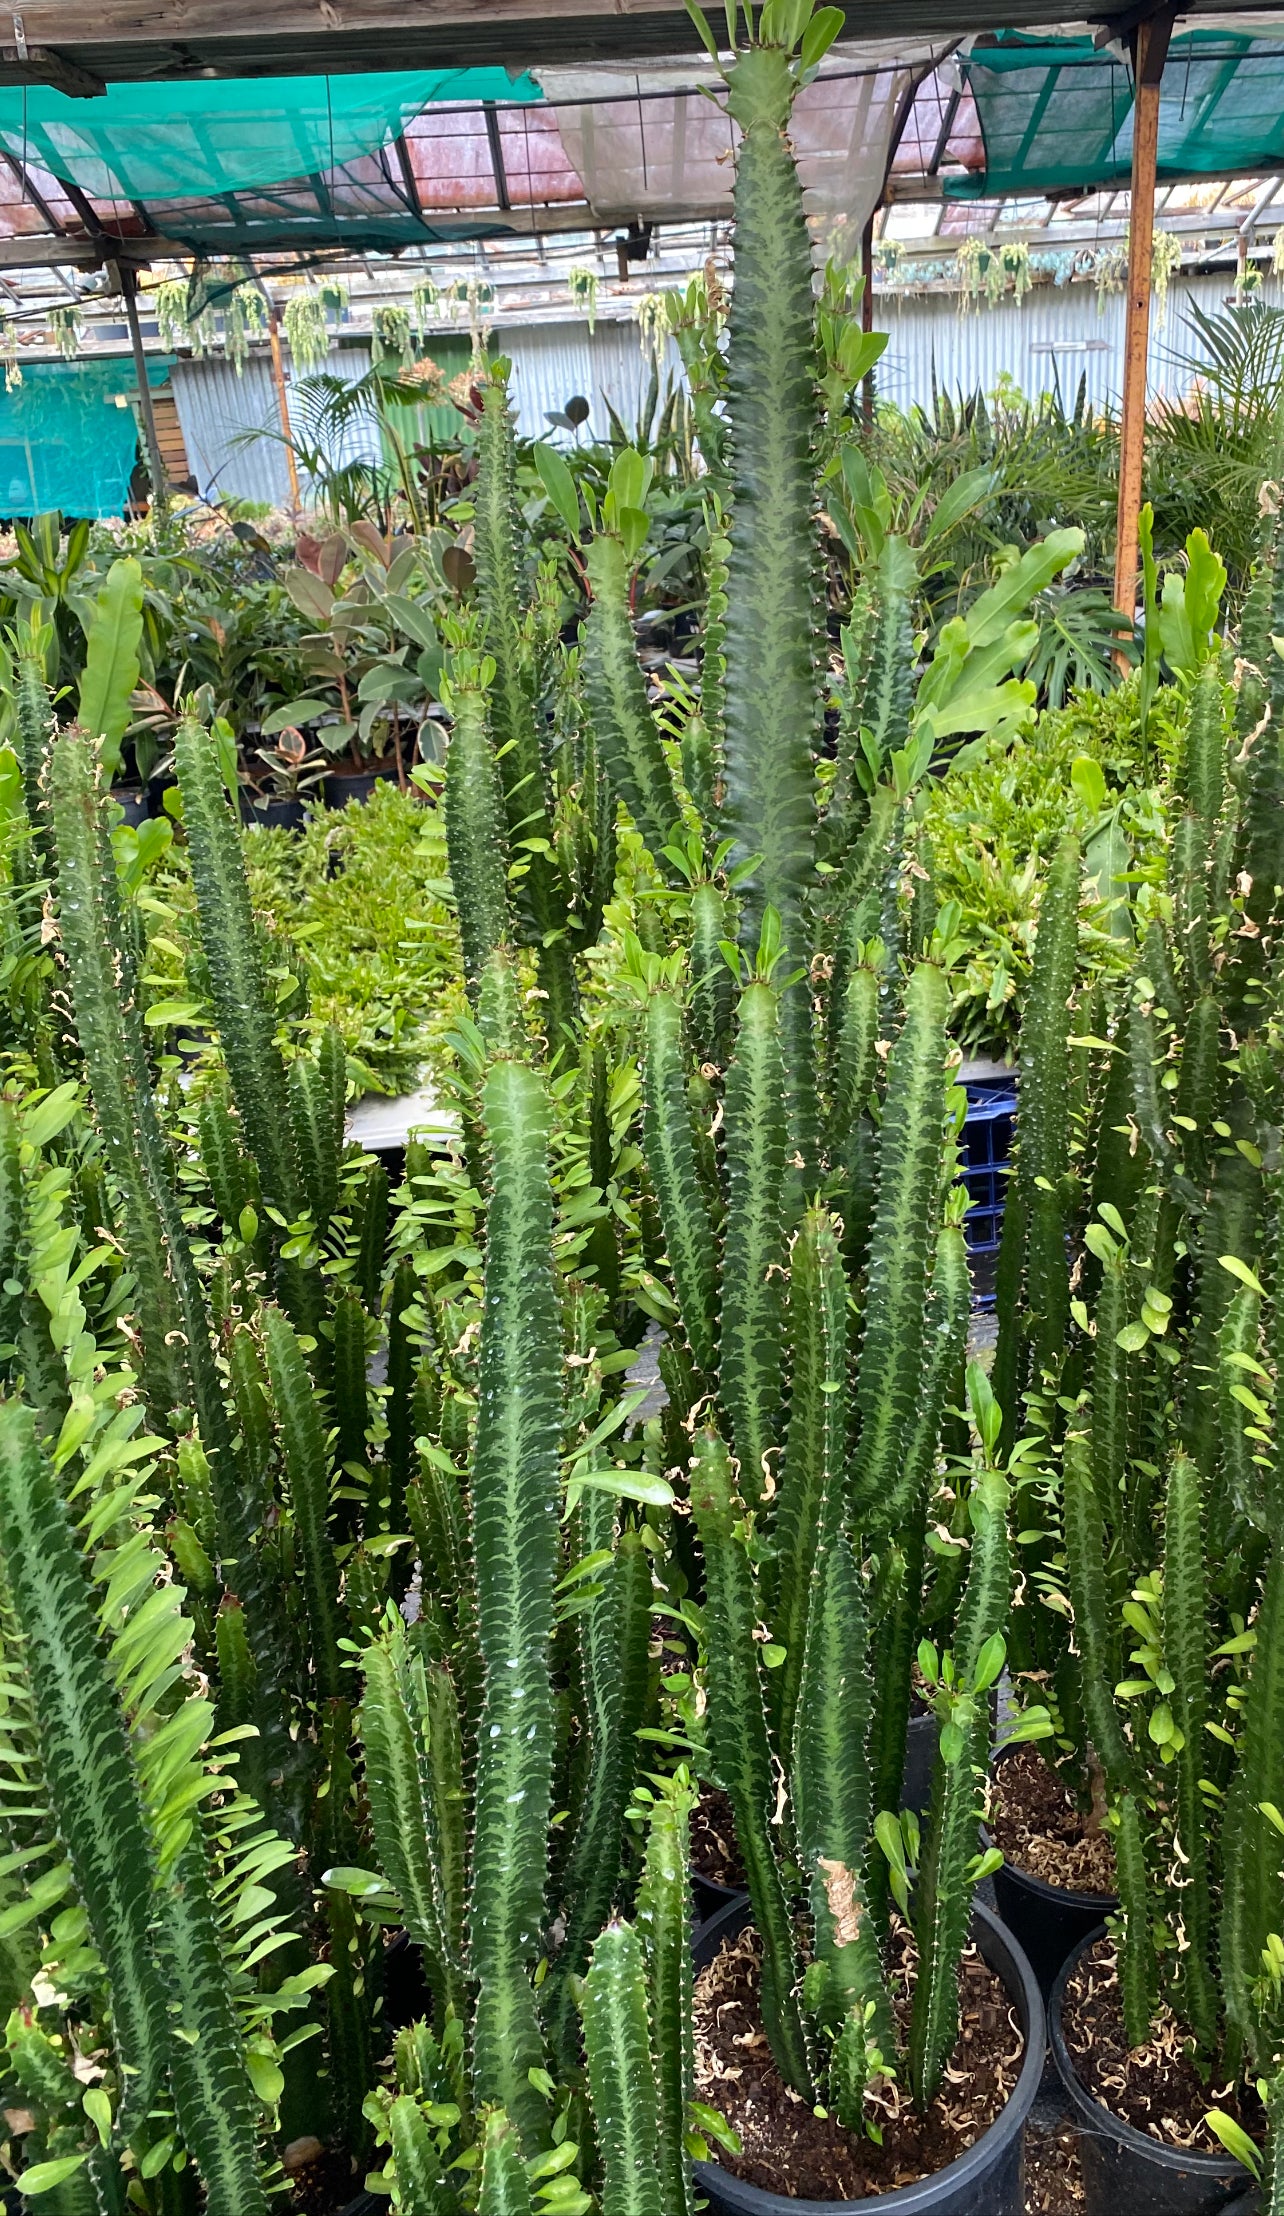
x: 916, y: 2199
x: 1049, y: 1895
x: 1102, y: 2120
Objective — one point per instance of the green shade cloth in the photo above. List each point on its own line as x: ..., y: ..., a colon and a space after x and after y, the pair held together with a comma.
x: 69, y: 437
x: 191, y: 141
x: 1056, y: 114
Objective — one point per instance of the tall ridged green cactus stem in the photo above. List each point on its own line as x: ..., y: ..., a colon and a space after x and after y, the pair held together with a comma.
x: 514, y: 1496
x: 615, y: 1633
x: 752, y: 1318
x: 504, y: 601
x: 318, y: 1098
x: 712, y: 985
x: 1084, y: 1533
x: 1186, y: 1655
x: 422, y: 2186
x: 504, y: 598
x: 741, y: 1749
x: 214, y: 2102
x: 671, y: 1162
x: 628, y: 739
x: 830, y: 1787
x: 1138, y: 1971
x: 1043, y: 1158
x: 943, y: 1897
x: 242, y: 1004
x: 35, y: 733
x: 104, y: 991
x: 948, y: 1315
x: 876, y: 700
x: 1203, y: 766
x: 813, y: 1467
x: 178, y: 1360
x: 1252, y: 1884
x: 504, y: 2189
x: 664, y: 1926
x: 418, y: 1832
x: 86, y: 1756
x: 772, y: 689
x: 351, y: 1402
x: 617, y: 2044
x: 402, y: 1363
x: 892, y: 1363
x: 307, y: 1472
x: 476, y: 829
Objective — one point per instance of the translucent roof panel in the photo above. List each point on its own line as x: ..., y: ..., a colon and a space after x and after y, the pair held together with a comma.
x: 171, y: 141
x: 1056, y: 115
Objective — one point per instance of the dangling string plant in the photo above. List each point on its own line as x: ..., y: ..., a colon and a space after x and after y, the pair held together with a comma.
x: 423, y: 308
x: 65, y: 327
x: 307, y: 323
x: 581, y: 283
x: 1165, y: 259
x: 392, y: 336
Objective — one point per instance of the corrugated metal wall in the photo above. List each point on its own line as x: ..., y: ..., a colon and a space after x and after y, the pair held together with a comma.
x: 231, y: 424
x: 1054, y: 338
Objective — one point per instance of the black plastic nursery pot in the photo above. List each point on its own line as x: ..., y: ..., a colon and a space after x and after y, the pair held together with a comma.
x: 1124, y: 2170
x: 337, y: 789
x: 1049, y: 1921
x: 287, y: 814
x: 133, y: 801
x: 709, y: 1897
x: 920, y: 1761
x: 986, y: 2181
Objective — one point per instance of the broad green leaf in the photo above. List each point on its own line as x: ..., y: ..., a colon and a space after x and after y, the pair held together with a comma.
x: 295, y: 712
x: 111, y: 660
x: 43, y: 2176
x: 559, y: 484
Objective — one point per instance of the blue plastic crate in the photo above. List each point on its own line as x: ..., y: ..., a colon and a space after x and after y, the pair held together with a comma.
x: 986, y: 1160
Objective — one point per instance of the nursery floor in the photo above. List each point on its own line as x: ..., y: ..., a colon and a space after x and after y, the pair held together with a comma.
x: 1053, y: 2179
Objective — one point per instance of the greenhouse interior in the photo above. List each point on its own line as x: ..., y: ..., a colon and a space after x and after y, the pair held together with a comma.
x: 642, y: 1113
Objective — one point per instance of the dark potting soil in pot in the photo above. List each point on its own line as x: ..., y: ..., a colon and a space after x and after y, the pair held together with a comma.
x: 786, y: 2147
x: 323, y: 2185
x: 715, y: 1851
x: 1156, y: 2088
x: 1038, y: 1825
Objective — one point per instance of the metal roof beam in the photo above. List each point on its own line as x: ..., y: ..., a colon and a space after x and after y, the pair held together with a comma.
x: 31, y: 191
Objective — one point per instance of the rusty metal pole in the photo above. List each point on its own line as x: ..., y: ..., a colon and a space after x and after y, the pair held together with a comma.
x: 1150, y: 51
x: 151, y: 438
x: 283, y: 402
